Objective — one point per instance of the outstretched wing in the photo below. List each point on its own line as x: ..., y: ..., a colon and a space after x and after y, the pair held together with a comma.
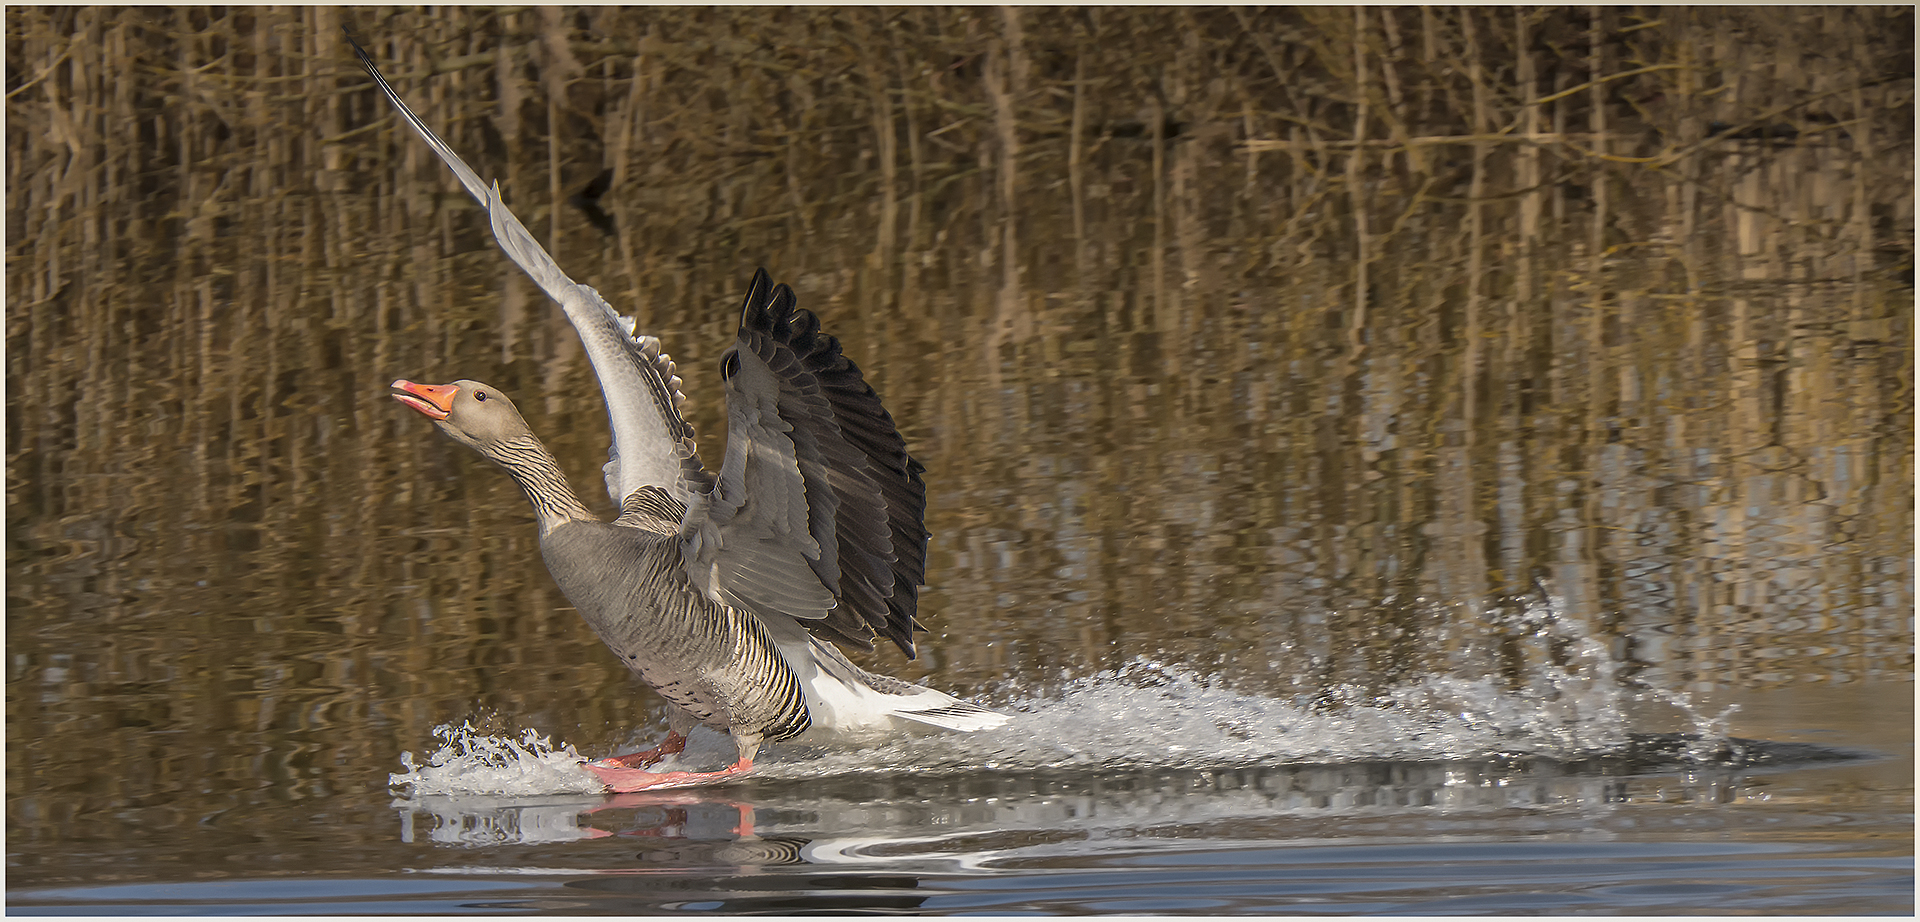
x: 652, y: 442
x: 818, y: 511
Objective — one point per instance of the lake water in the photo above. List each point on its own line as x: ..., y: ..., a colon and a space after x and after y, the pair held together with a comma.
x: 1462, y: 526
x: 1815, y: 819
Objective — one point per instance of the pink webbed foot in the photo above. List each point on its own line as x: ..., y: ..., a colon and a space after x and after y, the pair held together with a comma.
x: 672, y: 745
x: 622, y: 780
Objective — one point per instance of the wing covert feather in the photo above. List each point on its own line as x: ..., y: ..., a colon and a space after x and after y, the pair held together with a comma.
x: 652, y: 442
x: 817, y: 493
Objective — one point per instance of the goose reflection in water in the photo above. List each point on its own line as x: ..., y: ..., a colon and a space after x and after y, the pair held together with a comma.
x: 708, y: 843
x: 1087, y: 804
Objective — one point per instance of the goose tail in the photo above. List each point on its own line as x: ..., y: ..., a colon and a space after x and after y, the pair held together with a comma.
x: 959, y: 716
x: 848, y: 702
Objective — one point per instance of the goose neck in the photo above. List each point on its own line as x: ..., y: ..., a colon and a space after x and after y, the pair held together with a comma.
x: 540, y: 478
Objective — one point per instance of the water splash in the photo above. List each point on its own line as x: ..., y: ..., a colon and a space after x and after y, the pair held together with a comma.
x: 471, y: 762
x: 1596, y: 680
x: 1148, y: 714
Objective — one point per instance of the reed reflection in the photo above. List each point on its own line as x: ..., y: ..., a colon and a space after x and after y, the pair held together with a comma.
x: 1295, y: 362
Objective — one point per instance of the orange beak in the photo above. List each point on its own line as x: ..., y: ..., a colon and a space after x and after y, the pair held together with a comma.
x: 435, y: 401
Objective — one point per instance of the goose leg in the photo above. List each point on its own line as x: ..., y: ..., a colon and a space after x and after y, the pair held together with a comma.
x: 679, y: 724
x: 620, y: 779
x: 627, y: 780
x: 672, y: 745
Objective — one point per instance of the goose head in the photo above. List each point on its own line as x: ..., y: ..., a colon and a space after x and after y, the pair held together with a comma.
x: 480, y: 417
x: 476, y: 415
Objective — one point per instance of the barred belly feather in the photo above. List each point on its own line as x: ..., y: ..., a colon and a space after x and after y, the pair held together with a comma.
x: 713, y: 661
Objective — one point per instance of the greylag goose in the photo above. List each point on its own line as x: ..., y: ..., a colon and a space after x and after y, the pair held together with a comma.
x: 723, y: 591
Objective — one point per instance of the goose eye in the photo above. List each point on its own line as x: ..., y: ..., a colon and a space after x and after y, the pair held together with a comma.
x: 480, y: 396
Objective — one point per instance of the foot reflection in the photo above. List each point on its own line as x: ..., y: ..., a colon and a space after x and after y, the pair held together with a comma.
x: 675, y: 804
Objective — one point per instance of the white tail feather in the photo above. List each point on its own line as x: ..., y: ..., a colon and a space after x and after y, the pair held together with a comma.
x: 847, y: 702
x: 960, y: 716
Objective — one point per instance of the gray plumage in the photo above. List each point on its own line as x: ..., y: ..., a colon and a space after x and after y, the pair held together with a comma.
x: 720, y: 590
x: 716, y: 663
